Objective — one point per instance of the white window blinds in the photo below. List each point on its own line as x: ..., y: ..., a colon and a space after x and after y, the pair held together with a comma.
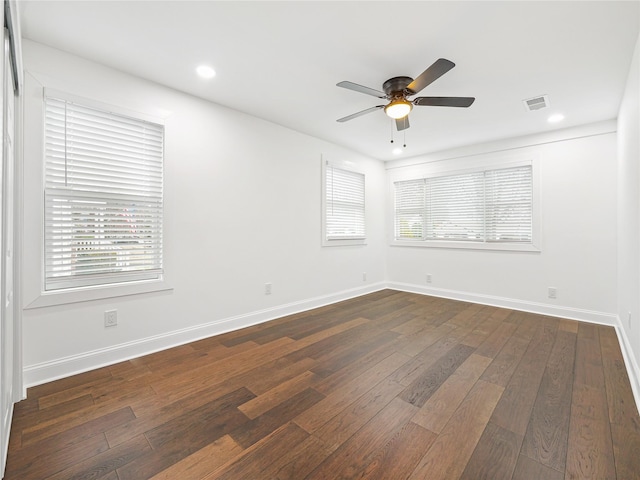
x: 344, y: 203
x: 509, y: 205
x: 486, y: 206
x: 454, y: 207
x: 103, y: 197
x: 410, y: 209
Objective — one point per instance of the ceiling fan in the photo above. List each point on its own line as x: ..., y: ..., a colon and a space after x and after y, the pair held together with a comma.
x: 398, y: 89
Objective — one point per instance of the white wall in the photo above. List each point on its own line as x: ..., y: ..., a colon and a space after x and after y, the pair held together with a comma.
x: 629, y: 217
x: 577, y: 177
x: 242, y: 208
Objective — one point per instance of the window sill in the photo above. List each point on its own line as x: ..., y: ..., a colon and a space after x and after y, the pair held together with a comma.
x: 344, y: 242
x: 98, y: 292
x: 509, y: 247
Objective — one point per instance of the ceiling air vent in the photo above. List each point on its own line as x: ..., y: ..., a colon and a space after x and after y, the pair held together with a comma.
x: 536, y: 103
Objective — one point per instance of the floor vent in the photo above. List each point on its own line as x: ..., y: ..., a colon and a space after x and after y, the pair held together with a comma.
x: 536, y: 103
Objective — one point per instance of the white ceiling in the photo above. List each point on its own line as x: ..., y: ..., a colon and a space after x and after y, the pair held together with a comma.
x: 280, y: 61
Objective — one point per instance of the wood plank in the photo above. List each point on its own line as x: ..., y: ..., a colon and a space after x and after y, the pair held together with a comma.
x: 30, y: 464
x: 447, y: 456
x: 514, y: 408
x: 418, y: 391
x: 332, y: 362
x: 400, y: 455
x: 546, y: 438
x: 105, y: 462
x: 341, y: 427
x: 184, y: 435
x: 438, y: 409
x: 508, y: 358
x: 204, y: 461
x: 353, y: 371
x: 76, y: 432
x: 495, y: 456
x: 590, y: 446
x: 253, y: 464
x: 269, y: 399
x: 214, y: 419
x: 493, y: 344
x: 164, y: 410
x: 353, y: 456
x: 528, y: 469
x: 423, y: 360
x: 339, y: 399
x: 258, y: 428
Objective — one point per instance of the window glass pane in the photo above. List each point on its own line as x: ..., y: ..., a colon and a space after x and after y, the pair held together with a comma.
x: 345, y: 215
x: 509, y: 205
x: 410, y: 210
x: 103, y: 197
x: 455, y: 208
x: 493, y: 206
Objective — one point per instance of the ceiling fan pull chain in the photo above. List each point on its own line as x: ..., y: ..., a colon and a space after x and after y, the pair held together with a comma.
x: 391, y: 131
x: 404, y: 137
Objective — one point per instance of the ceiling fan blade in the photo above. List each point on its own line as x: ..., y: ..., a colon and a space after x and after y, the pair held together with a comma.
x: 431, y: 74
x: 402, y: 123
x: 359, y: 88
x: 363, y: 112
x: 444, y: 101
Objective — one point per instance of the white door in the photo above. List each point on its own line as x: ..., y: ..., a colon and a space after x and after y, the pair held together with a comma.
x: 7, y: 312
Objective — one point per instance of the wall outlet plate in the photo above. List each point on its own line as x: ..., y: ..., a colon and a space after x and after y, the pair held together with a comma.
x: 110, y: 318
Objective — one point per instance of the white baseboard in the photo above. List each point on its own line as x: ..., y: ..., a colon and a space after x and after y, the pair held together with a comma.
x: 74, y: 364
x: 551, y: 310
x: 633, y: 370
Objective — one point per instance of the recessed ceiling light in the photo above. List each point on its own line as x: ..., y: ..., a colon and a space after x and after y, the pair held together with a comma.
x: 557, y: 117
x: 397, y: 151
x: 205, y: 71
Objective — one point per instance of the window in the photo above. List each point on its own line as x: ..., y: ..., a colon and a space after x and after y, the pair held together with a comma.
x: 344, y: 214
x: 489, y: 207
x: 103, y: 197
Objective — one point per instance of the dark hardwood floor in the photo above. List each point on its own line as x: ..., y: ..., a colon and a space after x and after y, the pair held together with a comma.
x: 388, y: 386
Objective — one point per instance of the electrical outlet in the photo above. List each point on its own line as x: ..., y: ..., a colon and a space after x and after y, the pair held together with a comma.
x: 110, y: 318
x: 267, y: 289
x: 364, y: 276
x: 428, y: 278
x: 553, y: 292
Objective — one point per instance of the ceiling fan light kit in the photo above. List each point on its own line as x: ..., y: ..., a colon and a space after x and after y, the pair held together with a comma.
x: 397, y: 91
x: 398, y: 108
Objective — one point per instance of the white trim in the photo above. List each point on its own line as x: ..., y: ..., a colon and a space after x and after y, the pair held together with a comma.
x: 33, y: 294
x: 582, y: 315
x: 511, y: 247
x: 74, y: 364
x: 633, y: 370
x: 348, y: 166
x: 508, y: 145
x: 97, y: 292
x: 101, y: 106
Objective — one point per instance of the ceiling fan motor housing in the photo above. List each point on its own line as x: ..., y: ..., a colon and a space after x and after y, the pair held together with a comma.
x: 397, y: 87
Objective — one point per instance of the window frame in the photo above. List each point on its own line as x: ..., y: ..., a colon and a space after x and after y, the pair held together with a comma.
x: 348, y: 167
x: 35, y: 294
x: 436, y: 171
